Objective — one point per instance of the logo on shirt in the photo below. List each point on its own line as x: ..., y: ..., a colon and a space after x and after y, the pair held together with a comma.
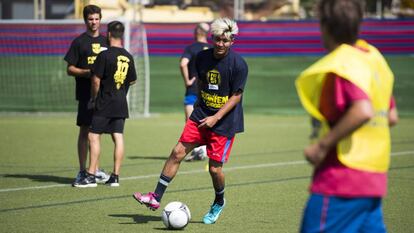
x: 214, y: 100
x: 96, y: 48
x: 213, y: 79
x: 121, y: 71
x: 91, y: 60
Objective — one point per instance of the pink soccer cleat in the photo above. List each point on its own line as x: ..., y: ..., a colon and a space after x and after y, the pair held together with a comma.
x: 147, y: 199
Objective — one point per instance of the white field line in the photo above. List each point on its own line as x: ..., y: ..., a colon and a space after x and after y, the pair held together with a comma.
x: 264, y: 165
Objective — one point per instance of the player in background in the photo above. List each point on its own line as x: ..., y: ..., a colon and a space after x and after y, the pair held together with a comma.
x: 217, y: 116
x: 80, y: 58
x: 113, y: 73
x: 189, y: 74
x: 349, y: 92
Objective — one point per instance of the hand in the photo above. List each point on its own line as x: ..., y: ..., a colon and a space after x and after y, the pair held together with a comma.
x: 91, y: 104
x: 315, y: 153
x: 208, y: 122
x: 190, y: 82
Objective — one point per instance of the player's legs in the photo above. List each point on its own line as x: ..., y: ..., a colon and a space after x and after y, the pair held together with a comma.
x: 189, y: 139
x: 98, y: 126
x: 118, y: 139
x: 217, y: 177
x: 177, y: 155
x: 171, y: 167
x: 218, y: 150
x: 152, y: 199
x: 119, y: 149
x: 83, y: 120
x: 94, y: 145
x: 95, y: 150
x: 83, y: 146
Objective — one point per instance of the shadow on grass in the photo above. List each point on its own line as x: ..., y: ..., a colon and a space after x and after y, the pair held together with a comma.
x: 137, y: 218
x: 41, y: 178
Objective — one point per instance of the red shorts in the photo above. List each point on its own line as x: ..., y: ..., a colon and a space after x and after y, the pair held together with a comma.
x: 218, y: 146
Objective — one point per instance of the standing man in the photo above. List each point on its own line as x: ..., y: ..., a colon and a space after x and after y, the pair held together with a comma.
x: 217, y: 116
x: 80, y: 58
x: 349, y: 93
x: 113, y: 73
x: 189, y: 74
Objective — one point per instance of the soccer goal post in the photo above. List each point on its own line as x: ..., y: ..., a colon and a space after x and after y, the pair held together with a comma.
x: 33, y: 73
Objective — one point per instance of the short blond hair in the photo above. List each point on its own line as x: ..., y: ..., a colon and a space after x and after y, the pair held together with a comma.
x: 204, y: 27
x: 224, y: 26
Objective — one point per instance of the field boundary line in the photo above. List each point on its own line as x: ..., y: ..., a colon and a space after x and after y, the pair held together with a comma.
x: 263, y: 165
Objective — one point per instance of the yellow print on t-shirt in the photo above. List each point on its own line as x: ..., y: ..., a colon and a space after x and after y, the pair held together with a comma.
x: 91, y: 60
x: 96, y: 48
x: 213, y: 77
x: 214, y: 100
x: 122, y: 70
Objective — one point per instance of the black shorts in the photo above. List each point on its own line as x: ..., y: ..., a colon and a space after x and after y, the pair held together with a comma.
x: 109, y: 125
x: 84, y: 117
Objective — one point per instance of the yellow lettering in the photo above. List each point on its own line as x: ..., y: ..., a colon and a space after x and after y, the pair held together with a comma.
x: 122, y: 70
x: 213, y: 100
x: 91, y: 60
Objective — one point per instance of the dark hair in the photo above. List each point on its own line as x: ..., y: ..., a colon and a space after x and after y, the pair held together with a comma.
x: 341, y: 19
x: 91, y: 9
x: 116, y: 29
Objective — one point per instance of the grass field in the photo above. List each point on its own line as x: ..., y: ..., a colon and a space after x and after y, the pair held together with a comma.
x: 267, y: 178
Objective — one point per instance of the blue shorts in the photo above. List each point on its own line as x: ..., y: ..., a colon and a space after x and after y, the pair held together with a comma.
x: 335, y: 214
x: 190, y: 99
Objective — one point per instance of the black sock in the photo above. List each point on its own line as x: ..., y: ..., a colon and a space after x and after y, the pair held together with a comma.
x: 161, y: 187
x: 219, y: 196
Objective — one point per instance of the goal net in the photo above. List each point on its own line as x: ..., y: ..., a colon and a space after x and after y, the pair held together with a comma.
x: 33, y: 73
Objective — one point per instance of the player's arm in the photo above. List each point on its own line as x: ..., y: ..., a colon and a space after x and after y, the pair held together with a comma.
x: 72, y: 58
x: 359, y: 113
x: 95, y: 83
x: 210, y: 121
x: 393, y: 113
x: 132, y: 74
x: 78, y: 72
x: 184, y: 72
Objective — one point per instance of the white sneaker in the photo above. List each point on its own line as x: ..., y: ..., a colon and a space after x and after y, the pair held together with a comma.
x: 202, y: 154
x: 199, y: 153
x: 101, y: 176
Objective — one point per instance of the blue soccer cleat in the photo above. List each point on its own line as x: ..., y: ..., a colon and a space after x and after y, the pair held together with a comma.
x: 214, y: 213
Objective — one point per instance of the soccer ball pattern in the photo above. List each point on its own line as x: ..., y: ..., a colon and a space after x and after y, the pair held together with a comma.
x: 176, y: 215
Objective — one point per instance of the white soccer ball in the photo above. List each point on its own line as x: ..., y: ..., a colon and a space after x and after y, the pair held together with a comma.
x: 176, y: 215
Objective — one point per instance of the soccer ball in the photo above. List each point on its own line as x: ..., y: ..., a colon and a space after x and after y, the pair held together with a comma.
x: 176, y: 215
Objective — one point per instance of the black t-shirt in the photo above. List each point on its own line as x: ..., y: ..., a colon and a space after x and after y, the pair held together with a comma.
x: 190, y: 52
x: 82, y: 54
x: 116, y: 69
x: 218, y: 80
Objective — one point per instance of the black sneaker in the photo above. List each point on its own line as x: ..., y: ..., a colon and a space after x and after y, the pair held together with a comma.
x: 79, y: 177
x: 113, y: 181
x: 87, y: 182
